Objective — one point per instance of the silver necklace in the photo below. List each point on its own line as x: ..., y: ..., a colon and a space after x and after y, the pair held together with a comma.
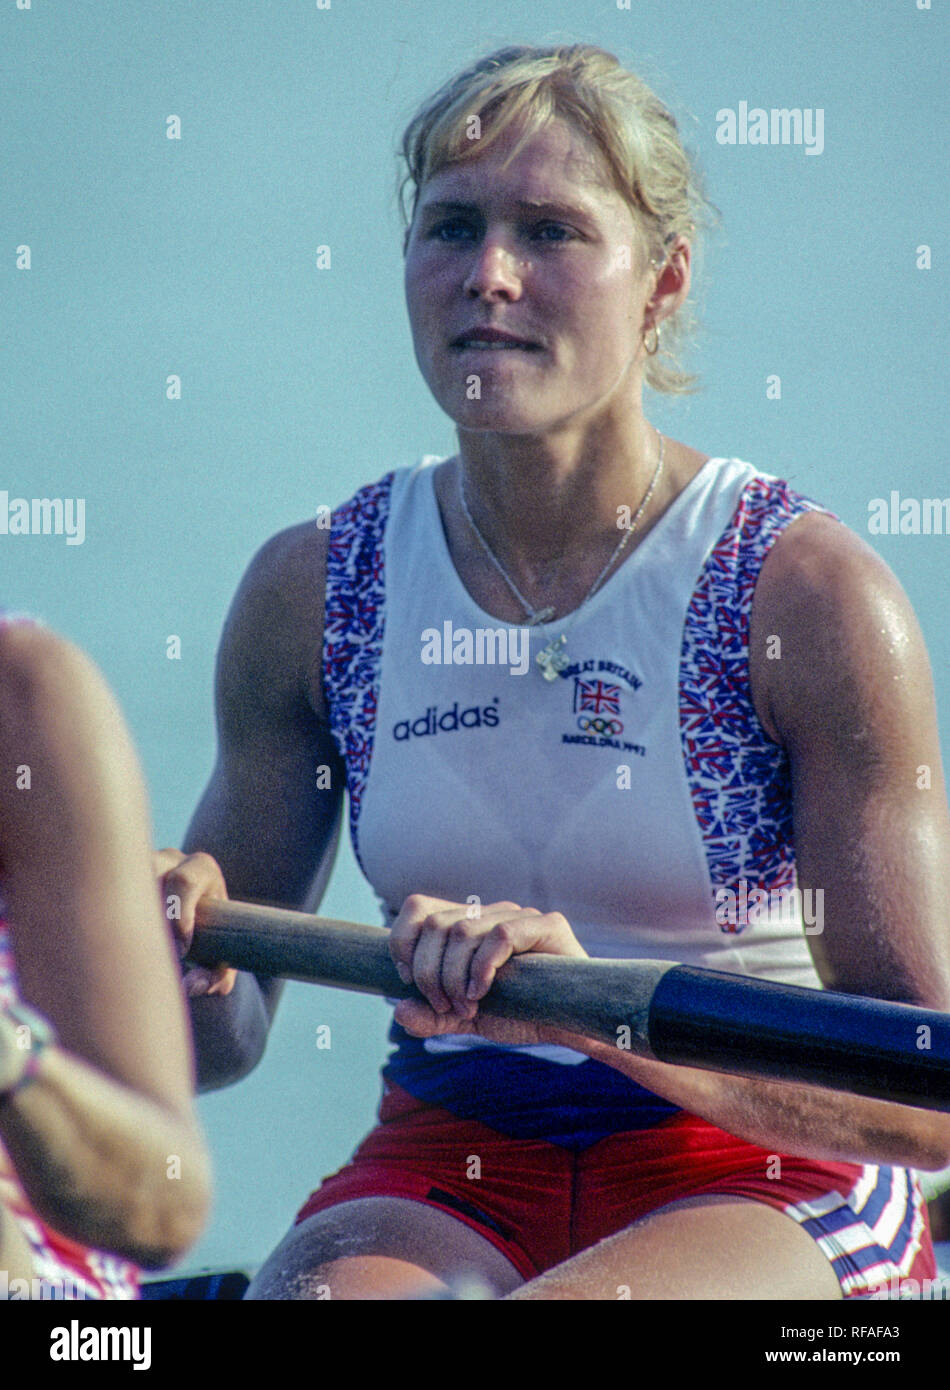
x: 553, y: 658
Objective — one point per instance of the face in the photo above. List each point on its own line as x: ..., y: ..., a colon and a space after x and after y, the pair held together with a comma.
x: 544, y: 250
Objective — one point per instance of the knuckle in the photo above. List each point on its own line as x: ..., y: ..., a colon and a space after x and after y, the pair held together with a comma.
x: 205, y: 864
x: 184, y: 874
x: 435, y: 924
x: 175, y: 885
x: 505, y: 933
x: 463, y: 930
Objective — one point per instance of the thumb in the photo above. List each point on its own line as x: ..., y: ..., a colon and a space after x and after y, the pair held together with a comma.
x: 200, y: 980
x: 422, y: 1021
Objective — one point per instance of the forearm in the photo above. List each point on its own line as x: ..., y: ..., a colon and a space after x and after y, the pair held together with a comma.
x: 104, y: 1165
x: 230, y: 1030
x: 808, y: 1121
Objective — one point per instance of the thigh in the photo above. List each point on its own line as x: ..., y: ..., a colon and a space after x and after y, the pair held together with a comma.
x: 381, y: 1248
x: 713, y: 1246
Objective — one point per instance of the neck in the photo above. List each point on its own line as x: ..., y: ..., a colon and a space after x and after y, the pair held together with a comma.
x: 537, y: 501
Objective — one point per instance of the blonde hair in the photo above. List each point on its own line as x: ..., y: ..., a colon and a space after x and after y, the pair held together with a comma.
x: 636, y: 135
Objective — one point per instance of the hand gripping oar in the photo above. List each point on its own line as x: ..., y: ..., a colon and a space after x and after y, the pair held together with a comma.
x: 675, y: 1013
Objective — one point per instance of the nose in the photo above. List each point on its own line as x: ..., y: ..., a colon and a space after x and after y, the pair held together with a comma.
x: 494, y: 273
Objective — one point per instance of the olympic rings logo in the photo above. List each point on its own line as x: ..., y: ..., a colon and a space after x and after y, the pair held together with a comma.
x: 599, y: 726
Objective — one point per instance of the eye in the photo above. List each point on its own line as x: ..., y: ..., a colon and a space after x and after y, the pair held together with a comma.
x: 462, y: 229
x: 444, y: 231
x: 566, y: 234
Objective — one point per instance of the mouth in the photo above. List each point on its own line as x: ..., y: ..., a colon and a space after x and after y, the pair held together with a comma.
x: 492, y: 340
x: 482, y: 345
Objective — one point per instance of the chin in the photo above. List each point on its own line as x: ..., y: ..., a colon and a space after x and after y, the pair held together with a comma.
x: 503, y: 417
x: 500, y: 422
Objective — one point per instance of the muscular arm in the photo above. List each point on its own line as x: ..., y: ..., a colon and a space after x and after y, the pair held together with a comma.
x: 851, y: 699
x: 265, y: 816
x: 92, y: 1135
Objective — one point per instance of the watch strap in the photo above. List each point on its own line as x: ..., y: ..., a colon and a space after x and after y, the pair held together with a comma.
x: 41, y: 1036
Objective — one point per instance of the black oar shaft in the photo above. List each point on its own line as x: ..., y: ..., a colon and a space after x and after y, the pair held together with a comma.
x: 706, y: 1018
x: 676, y: 1013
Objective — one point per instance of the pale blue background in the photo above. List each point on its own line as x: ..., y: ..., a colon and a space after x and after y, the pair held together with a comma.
x: 197, y: 257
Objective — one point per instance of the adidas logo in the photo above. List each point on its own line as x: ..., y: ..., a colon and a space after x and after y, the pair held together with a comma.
x: 432, y: 722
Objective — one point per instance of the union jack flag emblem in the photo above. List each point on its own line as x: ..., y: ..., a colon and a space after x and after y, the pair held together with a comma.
x: 596, y: 696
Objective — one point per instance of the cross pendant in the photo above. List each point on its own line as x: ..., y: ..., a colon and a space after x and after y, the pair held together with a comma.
x: 553, y: 658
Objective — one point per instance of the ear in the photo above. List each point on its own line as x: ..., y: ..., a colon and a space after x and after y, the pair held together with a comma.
x: 672, y: 284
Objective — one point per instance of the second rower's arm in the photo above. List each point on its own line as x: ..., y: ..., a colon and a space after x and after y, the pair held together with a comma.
x: 108, y: 1117
x: 270, y: 814
x: 851, y: 699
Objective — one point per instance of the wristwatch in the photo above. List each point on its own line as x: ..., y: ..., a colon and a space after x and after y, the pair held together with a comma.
x: 41, y: 1034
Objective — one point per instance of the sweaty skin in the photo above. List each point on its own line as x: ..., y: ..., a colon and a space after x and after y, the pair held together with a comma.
x: 89, y: 1139
x: 550, y: 447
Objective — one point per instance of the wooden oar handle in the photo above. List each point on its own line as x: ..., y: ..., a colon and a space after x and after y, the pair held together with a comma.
x: 295, y: 945
x: 675, y: 1013
x: 594, y: 1000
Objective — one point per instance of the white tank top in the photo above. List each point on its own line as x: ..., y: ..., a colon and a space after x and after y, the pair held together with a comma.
x: 637, y: 792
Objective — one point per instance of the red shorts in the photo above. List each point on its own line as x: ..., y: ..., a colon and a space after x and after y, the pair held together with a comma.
x: 64, y: 1270
x: 539, y: 1203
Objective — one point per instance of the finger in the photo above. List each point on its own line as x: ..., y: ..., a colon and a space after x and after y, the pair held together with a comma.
x: 196, y: 981
x: 200, y: 980
x: 223, y: 978
x: 163, y: 862
x: 465, y: 933
x: 444, y: 950
x: 447, y: 932
x: 506, y: 937
x: 515, y: 934
x: 193, y: 878
x: 427, y: 963
x: 462, y: 941
x: 555, y: 936
x: 529, y: 930
x: 165, y: 859
x: 404, y: 932
x: 423, y: 1022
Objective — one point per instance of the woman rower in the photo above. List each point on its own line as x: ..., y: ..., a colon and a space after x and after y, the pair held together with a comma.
x: 102, y: 1165
x: 728, y: 695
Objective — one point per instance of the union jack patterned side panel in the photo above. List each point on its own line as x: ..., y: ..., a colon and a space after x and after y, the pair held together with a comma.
x: 738, y: 778
x: 353, y: 632
x: 8, y: 979
x: 876, y: 1235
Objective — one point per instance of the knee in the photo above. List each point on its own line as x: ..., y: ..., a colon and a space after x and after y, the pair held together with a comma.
x: 297, y: 1270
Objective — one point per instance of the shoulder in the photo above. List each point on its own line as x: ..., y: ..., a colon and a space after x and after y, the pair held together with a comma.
x: 288, y: 570
x: 817, y: 567
x: 272, y: 637
x: 284, y: 587
x: 37, y: 664
x: 272, y: 644
x: 847, y: 636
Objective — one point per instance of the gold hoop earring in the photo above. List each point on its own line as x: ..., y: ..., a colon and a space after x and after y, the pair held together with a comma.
x: 652, y: 351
